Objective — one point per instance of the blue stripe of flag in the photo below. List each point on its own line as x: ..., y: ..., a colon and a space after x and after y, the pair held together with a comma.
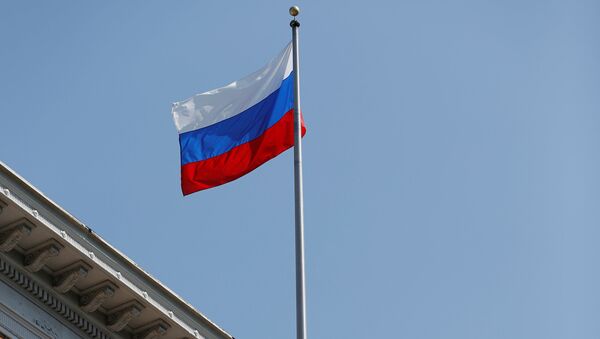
x: 219, y: 138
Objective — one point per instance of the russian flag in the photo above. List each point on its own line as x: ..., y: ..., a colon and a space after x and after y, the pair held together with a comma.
x: 228, y: 132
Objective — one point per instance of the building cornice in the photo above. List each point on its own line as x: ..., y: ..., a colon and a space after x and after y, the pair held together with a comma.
x: 50, y: 300
x: 41, y: 213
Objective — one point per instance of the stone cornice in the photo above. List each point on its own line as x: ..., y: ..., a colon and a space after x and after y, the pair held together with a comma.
x: 46, y: 297
x: 94, y: 254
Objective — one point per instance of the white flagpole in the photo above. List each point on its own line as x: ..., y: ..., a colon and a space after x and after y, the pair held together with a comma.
x: 299, y: 199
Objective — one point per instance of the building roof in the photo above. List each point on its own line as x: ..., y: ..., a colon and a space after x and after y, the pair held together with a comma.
x: 106, y: 292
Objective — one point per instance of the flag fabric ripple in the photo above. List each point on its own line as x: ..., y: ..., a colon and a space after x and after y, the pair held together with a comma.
x: 227, y: 132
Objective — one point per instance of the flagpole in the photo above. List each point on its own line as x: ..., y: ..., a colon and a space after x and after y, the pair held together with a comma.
x: 298, y: 194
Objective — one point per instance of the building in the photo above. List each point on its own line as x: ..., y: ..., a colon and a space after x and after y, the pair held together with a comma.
x: 58, y: 279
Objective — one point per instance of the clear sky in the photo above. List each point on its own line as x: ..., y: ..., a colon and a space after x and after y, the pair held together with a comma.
x: 452, y: 160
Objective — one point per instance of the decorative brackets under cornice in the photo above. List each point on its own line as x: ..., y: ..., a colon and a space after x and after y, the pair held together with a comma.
x: 153, y: 330
x: 92, y: 298
x: 121, y: 315
x: 12, y: 233
x: 67, y: 277
x: 37, y: 256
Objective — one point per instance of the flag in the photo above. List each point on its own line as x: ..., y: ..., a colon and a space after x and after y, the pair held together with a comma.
x: 228, y: 132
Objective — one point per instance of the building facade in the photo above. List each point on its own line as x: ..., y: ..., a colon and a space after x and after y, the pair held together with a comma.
x: 58, y: 279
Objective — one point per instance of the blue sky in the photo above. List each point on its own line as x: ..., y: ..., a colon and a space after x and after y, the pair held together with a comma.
x: 451, y: 160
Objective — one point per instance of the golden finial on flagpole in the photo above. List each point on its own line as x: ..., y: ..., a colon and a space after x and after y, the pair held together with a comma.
x: 294, y: 11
